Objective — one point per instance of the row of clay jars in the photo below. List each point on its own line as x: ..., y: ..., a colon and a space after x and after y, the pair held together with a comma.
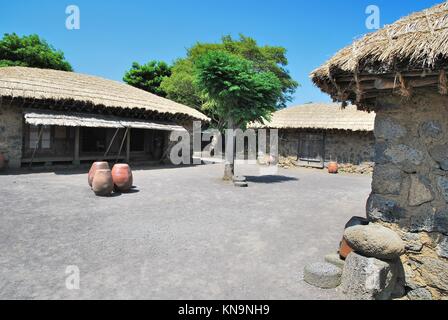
x: 103, y: 180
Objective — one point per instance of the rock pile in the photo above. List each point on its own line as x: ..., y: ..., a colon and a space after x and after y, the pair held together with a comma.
x: 373, y: 271
x: 363, y: 168
x: 287, y: 162
x: 240, y: 181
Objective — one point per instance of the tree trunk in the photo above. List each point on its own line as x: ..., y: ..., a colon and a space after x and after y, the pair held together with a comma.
x: 228, y: 171
x: 229, y: 153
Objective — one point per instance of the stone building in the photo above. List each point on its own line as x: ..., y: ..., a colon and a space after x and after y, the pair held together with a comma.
x: 400, y: 73
x: 315, y: 134
x: 56, y: 117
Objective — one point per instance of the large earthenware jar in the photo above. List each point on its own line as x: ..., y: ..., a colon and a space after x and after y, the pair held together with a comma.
x: 333, y: 167
x: 102, y: 183
x: 2, y: 161
x: 95, y: 166
x: 122, y: 176
x: 344, y: 249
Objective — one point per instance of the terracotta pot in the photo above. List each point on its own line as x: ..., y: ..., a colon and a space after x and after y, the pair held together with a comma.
x: 2, y: 161
x: 102, y: 183
x: 122, y: 176
x: 344, y: 249
x: 333, y: 167
x: 95, y: 166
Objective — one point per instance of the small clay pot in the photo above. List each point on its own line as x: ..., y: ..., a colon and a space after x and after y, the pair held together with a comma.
x: 95, y: 166
x: 344, y: 249
x: 102, y: 183
x: 122, y: 177
x: 2, y: 161
x: 333, y: 167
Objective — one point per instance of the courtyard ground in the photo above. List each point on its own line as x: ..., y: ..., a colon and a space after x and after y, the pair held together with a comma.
x: 182, y: 234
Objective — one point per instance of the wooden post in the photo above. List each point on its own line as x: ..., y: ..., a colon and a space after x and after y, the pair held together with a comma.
x: 76, y: 160
x: 36, y: 146
x: 128, y: 146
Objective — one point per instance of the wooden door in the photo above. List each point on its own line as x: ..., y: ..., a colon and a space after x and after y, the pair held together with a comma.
x: 311, y: 149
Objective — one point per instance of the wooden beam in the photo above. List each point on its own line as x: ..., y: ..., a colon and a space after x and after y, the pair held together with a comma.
x: 76, y: 160
x: 128, y: 146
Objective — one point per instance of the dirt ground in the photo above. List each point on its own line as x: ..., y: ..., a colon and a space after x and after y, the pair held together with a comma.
x: 182, y: 234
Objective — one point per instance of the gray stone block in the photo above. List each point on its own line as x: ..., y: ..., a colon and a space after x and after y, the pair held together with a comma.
x: 439, y: 152
x: 386, y: 128
x: 381, y: 208
x: 239, y: 179
x: 412, y: 242
x: 335, y: 260
x: 442, y: 248
x: 240, y: 184
x: 441, y: 221
x: 419, y: 294
x: 442, y: 183
x: 369, y: 278
x: 387, y: 179
x: 431, y: 130
x: 322, y: 275
x: 420, y: 191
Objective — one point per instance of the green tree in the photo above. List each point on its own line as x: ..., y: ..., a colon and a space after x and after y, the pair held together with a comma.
x: 239, y: 92
x: 148, y: 76
x: 181, y: 87
x: 31, y: 51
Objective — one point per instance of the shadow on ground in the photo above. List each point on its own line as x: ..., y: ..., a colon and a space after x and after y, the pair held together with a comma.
x: 270, y: 179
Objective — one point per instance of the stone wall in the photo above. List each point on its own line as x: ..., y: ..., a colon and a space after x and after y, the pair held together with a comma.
x: 343, y: 146
x: 410, y: 185
x: 11, y: 123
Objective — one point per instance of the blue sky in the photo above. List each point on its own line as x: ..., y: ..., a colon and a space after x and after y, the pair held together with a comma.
x: 115, y: 33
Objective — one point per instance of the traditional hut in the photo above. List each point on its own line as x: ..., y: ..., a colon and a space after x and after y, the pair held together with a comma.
x: 314, y: 134
x: 400, y: 73
x: 52, y: 117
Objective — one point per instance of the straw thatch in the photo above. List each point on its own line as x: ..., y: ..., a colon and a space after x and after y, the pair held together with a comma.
x: 321, y: 116
x: 78, y: 89
x: 72, y: 119
x: 411, y: 53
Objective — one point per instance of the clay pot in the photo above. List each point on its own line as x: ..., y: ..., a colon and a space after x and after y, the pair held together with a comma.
x: 344, y: 249
x: 122, y: 176
x: 102, y: 183
x: 2, y: 161
x: 333, y: 167
x: 95, y: 166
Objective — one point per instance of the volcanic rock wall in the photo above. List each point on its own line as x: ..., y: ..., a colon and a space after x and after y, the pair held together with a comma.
x: 410, y: 186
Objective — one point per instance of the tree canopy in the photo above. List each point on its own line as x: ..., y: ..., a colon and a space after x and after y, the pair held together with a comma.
x: 31, y: 51
x: 239, y: 92
x: 148, y: 76
x: 181, y: 86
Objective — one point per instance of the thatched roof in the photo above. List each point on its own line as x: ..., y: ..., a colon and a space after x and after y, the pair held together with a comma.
x: 411, y: 53
x: 72, y: 88
x: 321, y: 116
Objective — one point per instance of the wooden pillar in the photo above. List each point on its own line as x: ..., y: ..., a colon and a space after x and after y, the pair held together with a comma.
x: 128, y: 145
x: 76, y: 160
